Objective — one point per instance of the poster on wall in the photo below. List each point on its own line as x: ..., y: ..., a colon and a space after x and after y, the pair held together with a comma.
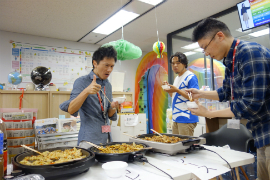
x: 65, y: 64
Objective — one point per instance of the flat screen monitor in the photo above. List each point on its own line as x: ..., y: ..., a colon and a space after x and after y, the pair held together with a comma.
x: 253, y: 13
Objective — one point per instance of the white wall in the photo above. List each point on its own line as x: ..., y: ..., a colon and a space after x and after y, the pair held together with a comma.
x: 129, y: 66
x: 5, y: 48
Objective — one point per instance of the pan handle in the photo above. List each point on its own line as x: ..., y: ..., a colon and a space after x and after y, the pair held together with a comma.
x: 189, y: 143
x: 140, y: 158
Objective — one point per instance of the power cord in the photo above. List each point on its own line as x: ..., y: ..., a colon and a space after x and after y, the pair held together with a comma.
x: 198, y: 147
x: 140, y: 158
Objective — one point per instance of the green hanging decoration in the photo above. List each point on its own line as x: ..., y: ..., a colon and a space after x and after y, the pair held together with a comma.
x: 125, y: 50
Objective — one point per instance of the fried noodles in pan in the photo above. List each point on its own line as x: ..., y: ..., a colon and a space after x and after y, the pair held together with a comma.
x: 120, y: 148
x: 164, y: 139
x: 54, y: 157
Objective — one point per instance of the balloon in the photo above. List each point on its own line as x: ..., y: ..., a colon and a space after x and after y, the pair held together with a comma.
x: 158, y: 47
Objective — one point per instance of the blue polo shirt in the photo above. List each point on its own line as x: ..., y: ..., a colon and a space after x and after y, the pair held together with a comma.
x: 90, y: 112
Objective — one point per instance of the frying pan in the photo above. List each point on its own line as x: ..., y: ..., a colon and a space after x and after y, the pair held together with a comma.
x: 53, y: 171
x: 188, y: 140
x: 169, y: 148
x: 127, y: 157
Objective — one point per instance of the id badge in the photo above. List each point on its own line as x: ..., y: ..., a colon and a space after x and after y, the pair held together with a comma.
x: 106, y: 128
x: 233, y: 123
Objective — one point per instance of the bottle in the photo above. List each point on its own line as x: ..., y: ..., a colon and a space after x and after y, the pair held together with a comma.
x: 5, y: 152
x: 1, y: 155
x: 30, y: 177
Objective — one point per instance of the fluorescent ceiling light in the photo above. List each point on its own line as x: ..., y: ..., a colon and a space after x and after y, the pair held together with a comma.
x: 260, y: 33
x: 115, y: 22
x: 198, y: 50
x: 189, y: 53
x: 152, y: 2
x: 192, y: 46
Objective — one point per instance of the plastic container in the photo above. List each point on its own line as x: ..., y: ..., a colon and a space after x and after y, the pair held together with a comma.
x: 165, y: 86
x: 192, y: 105
x: 5, y: 152
x: 211, y: 106
x: 115, y: 169
x: 222, y: 105
x: 119, y: 99
x: 30, y: 177
x: 1, y: 155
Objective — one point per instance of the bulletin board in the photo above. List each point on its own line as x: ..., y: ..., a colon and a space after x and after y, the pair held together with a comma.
x: 65, y: 64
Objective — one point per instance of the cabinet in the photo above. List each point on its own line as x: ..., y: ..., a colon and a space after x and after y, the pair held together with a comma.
x: 47, y: 102
x: 118, y: 127
x: 31, y: 99
x: 56, y: 98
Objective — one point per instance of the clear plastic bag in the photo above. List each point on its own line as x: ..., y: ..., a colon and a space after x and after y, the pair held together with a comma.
x: 30, y: 177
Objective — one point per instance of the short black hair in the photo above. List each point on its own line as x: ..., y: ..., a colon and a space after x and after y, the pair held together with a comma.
x: 182, y: 58
x: 102, y: 52
x: 209, y: 27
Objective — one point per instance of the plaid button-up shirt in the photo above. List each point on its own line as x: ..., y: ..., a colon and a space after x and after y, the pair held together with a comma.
x: 251, y: 88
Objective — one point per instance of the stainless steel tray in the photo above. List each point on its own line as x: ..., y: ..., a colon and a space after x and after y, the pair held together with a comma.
x: 170, y: 148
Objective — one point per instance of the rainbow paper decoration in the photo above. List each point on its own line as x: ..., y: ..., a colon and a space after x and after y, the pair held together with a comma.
x: 197, y: 67
x: 159, y: 47
x: 150, y: 98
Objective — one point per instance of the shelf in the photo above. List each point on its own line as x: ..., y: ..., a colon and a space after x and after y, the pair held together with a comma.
x: 55, y: 134
x: 121, y: 92
x: 58, y: 137
x: 47, y: 102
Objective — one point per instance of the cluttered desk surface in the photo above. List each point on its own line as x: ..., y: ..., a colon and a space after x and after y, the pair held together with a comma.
x: 201, y: 164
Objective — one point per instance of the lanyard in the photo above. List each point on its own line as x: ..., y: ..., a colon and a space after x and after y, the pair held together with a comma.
x: 102, y: 108
x: 232, y: 78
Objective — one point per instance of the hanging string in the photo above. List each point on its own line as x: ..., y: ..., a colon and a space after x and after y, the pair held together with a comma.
x: 156, y: 21
x: 122, y: 31
x: 122, y: 24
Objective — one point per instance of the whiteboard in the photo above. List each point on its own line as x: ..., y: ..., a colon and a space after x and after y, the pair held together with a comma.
x: 66, y: 65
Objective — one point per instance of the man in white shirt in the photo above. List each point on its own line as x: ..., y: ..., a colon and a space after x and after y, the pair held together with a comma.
x: 184, y: 122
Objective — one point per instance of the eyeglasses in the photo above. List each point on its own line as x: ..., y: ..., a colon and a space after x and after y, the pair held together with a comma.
x: 209, y: 43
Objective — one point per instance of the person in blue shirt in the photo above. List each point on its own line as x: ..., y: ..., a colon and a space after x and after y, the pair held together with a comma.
x: 91, y: 96
x: 245, y: 14
x: 184, y: 122
x: 246, y: 84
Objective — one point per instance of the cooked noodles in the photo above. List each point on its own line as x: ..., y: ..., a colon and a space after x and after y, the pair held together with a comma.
x: 121, y: 148
x: 164, y: 139
x: 53, y: 157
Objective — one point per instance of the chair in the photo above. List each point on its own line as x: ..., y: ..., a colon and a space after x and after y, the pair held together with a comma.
x: 238, y: 139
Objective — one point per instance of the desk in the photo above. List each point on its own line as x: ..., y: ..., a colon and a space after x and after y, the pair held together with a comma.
x: 235, y: 158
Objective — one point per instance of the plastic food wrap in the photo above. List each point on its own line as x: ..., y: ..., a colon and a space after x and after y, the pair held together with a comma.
x: 125, y: 50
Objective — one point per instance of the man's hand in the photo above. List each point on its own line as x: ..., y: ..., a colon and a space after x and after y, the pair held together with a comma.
x: 172, y: 89
x: 114, y: 104
x: 196, y: 94
x: 165, y: 83
x: 113, y: 109
x: 200, y: 111
x: 93, y: 88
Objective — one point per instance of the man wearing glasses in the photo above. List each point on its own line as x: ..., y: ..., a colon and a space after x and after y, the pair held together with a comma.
x: 246, y: 84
